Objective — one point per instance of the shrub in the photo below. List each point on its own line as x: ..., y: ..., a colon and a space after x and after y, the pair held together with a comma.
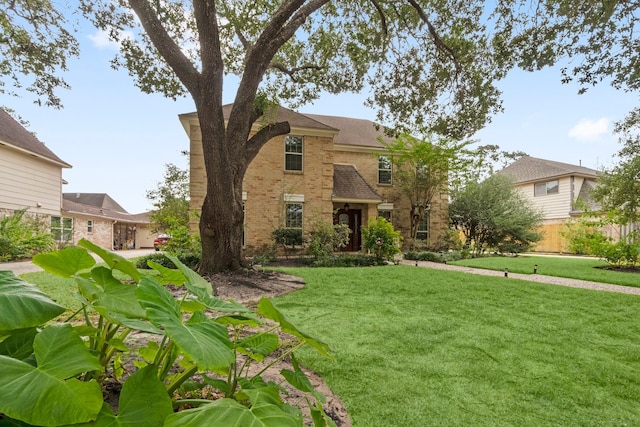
x: 625, y: 252
x: 327, y: 238
x: 59, y: 371
x: 583, y: 236
x: 162, y: 259
x: 22, y: 236
x: 381, y: 239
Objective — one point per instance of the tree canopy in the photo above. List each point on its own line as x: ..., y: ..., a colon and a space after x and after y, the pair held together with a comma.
x: 428, y: 67
x: 36, y: 41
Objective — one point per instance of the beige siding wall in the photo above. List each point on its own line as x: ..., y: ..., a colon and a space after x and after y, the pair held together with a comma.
x: 553, y: 206
x: 26, y: 181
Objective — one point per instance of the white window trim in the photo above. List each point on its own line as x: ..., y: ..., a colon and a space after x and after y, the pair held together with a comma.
x: 294, y: 198
x: 291, y: 153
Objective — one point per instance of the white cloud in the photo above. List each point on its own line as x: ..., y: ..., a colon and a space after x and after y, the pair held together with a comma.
x: 589, y: 130
x: 101, y: 39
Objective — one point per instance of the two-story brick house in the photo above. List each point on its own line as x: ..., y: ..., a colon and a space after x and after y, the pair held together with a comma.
x: 328, y: 168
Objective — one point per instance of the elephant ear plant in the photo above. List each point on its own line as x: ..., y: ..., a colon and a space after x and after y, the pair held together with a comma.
x: 55, y: 373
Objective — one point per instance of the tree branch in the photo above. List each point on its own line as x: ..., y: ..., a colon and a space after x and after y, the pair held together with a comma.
x: 292, y: 71
x: 167, y: 47
x: 383, y: 20
x: 263, y: 136
x: 442, y: 47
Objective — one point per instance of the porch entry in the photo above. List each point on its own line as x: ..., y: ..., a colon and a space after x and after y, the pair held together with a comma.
x: 351, y: 217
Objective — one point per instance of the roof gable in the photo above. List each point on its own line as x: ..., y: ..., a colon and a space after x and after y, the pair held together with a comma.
x: 527, y: 169
x: 348, y: 184
x: 98, y: 200
x: 14, y: 134
x: 359, y: 132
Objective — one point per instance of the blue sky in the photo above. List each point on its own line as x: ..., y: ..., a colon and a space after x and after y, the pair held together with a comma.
x: 119, y: 139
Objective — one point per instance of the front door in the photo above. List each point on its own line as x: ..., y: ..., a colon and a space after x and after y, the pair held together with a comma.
x: 351, y: 217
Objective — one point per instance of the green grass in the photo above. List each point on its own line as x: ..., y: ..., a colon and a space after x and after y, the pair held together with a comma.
x: 59, y: 289
x: 574, y: 268
x: 417, y: 347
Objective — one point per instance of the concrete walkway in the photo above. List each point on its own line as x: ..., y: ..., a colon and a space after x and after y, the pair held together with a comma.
x: 22, y: 267
x: 552, y: 280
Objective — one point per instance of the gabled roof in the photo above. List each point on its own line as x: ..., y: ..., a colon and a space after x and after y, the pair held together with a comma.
x: 349, y: 185
x: 74, y: 207
x: 281, y: 114
x: 97, y: 200
x: 358, y: 132
x: 527, y: 169
x: 15, y: 135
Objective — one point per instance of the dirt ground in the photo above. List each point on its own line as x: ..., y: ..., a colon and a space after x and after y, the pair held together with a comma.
x: 247, y: 287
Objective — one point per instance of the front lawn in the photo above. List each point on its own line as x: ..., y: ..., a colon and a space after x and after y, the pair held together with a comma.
x: 418, y: 347
x: 573, y: 268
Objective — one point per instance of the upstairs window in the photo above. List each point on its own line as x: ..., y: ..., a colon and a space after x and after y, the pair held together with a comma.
x: 384, y: 170
x: 89, y: 226
x: 544, y: 188
x: 293, y: 153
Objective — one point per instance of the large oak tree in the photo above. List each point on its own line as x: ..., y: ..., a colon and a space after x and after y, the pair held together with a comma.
x: 428, y: 65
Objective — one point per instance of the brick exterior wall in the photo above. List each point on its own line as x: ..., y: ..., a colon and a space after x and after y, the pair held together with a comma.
x: 266, y: 183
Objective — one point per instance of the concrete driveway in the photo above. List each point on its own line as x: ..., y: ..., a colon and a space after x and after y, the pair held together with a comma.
x: 22, y: 267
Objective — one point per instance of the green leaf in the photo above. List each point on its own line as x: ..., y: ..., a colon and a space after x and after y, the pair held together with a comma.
x: 41, y: 395
x: 19, y: 345
x: 23, y: 305
x: 202, y: 339
x: 268, y: 310
x: 65, y: 262
x: 169, y: 275
x: 299, y: 380
x: 114, y: 261
x: 229, y: 413
x: 258, y: 346
x: 144, y: 402
x: 194, y: 282
x: 116, y: 297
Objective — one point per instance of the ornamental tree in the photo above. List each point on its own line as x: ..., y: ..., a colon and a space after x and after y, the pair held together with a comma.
x: 426, y: 65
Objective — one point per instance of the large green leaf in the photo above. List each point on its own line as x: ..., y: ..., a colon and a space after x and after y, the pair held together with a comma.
x: 194, y: 282
x: 23, y: 305
x: 19, y: 345
x: 65, y: 262
x: 42, y: 395
x: 229, y: 413
x: 258, y: 346
x: 144, y: 402
x: 114, y: 261
x: 116, y: 297
x: 206, y: 342
x: 268, y: 310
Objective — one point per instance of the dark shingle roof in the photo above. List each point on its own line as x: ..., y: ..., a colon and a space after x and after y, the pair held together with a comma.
x: 105, y: 213
x: 359, y: 132
x: 528, y: 169
x: 281, y: 114
x: 14, y: 134
x: 348, y: 184
x: 98, y: 200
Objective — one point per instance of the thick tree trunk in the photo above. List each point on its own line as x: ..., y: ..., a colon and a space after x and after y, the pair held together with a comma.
x: 221, y: 219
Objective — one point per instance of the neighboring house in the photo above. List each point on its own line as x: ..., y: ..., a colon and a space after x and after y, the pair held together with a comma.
x: 327, y: 168
x: 558, y: 190
x: 100, y: 219
x: 31, y: 179
x: 30, y: 173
